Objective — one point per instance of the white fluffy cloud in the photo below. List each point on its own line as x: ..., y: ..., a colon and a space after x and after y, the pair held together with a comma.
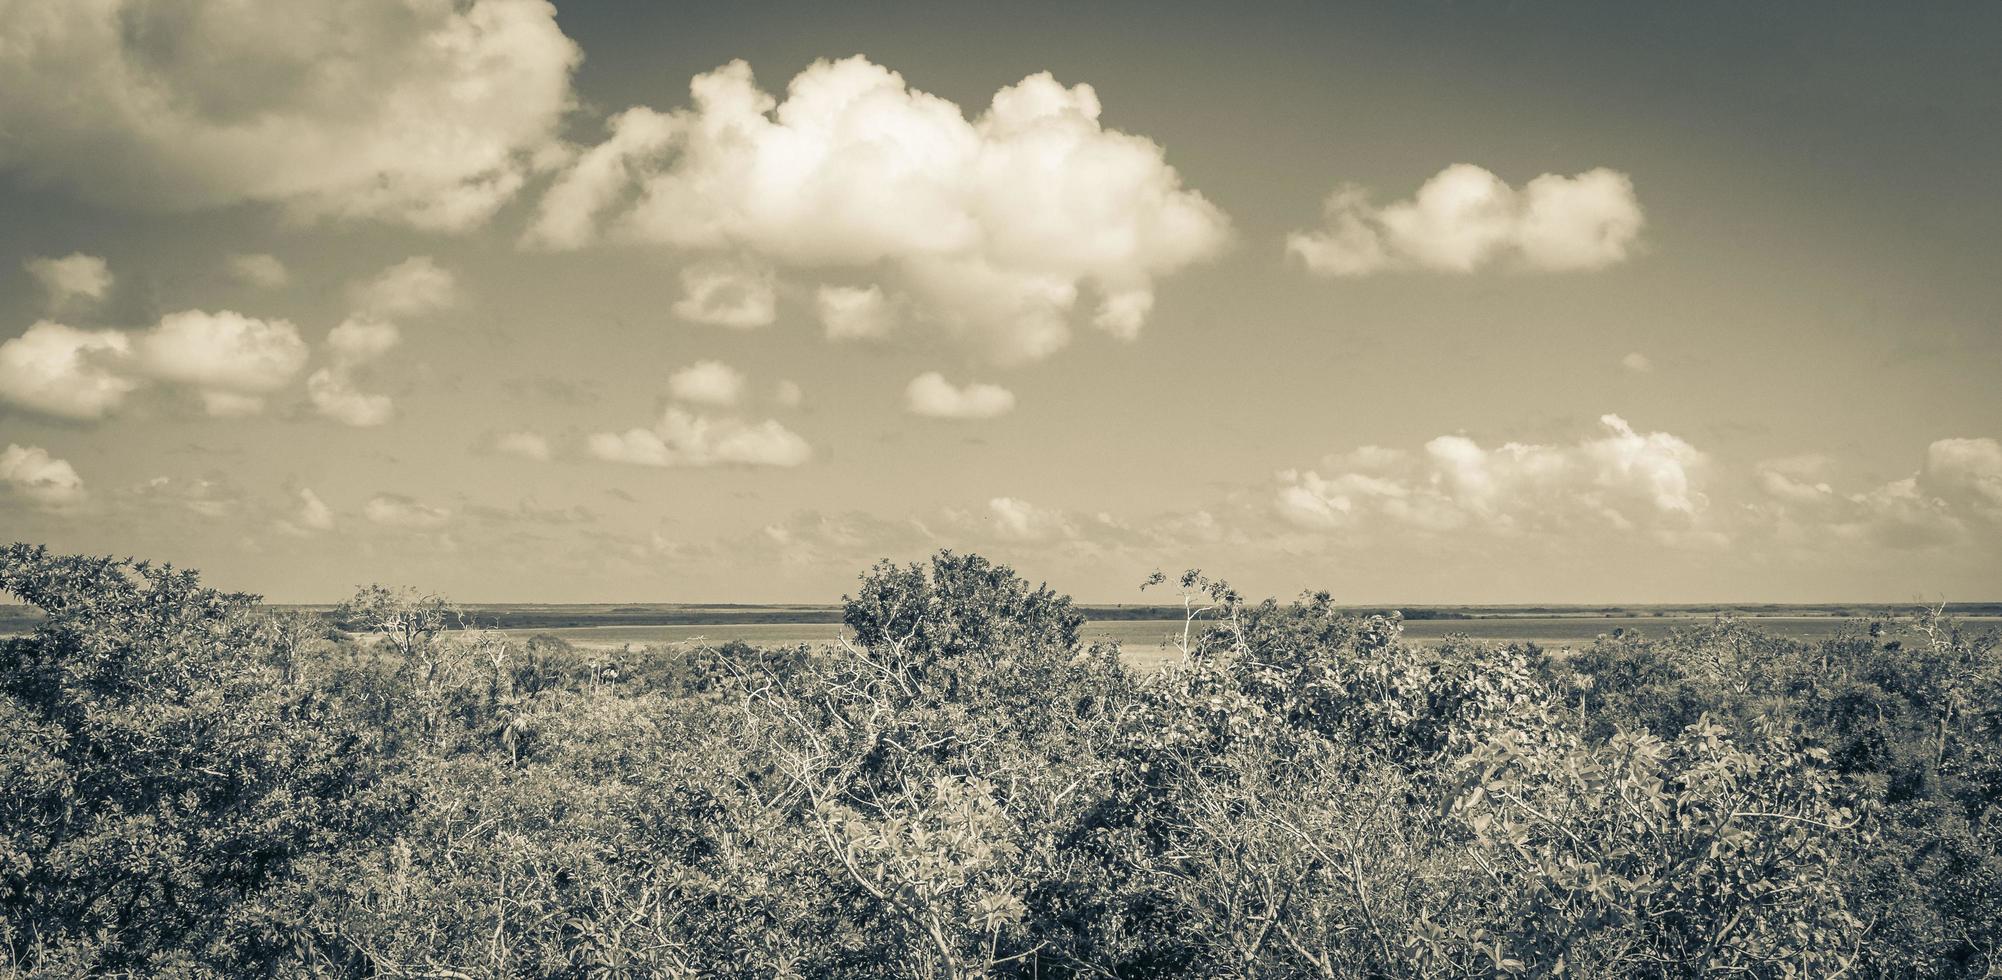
x: 73, y: 277
x: 231, y: 360
x: 1956, y: 490
x: 335, y: 396
x: 67, y: 373
x: 992, y: 225
x: 414, y: 286
x: 358, y: 340
x: 1967, y: 474
x: 396, y: 510
x: 259, y: 269
x: 684, y: 438
x: 1637, y: 362
x: 932, y: 396
x: 334, y: 391
x: 1465, y: 217
x: 1620, y: 479
x: 854, y: 312
x: 527, y: 445
x: 707, y: 383
x: 425, y: 112
x: 32, y: 473
x: 568, y: 215
x: 728, y: 294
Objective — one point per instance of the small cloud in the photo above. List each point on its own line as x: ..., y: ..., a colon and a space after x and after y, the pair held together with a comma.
x: 334, y: 396
x: 931, y: 396
x: 527, y: 445
x: 396, y: 510
x: 73, y: 277
x: 683, y: 438
x: 210, y: 497
x: 332, y: 390
x: 854, y: 312
x: 1014, y: 519
x: 415, y: 286
x: 359, y: 340
x: 1637, y: 362
x: 258, y: 269
x: 31, y: 472
x: 711, y: 383
x: 63, y: 372
x: 788, y: 394
x: 1466, y: 217
x: 727, y: 295
x: 314, y: 514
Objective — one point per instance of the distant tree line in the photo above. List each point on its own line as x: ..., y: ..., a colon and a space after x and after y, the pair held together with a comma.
x: 196, y: 785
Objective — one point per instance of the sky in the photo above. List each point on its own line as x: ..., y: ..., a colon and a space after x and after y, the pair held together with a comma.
x: 600, y: 301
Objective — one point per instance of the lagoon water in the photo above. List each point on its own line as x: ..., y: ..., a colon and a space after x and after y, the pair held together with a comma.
x: 1145, y: 641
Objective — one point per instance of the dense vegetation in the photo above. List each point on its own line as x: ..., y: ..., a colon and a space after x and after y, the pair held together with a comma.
x: 196, y: 786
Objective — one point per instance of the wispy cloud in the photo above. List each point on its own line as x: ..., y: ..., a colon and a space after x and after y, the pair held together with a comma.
x: 932, y: 396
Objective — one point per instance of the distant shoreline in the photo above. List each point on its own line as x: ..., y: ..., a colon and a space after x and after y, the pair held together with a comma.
x: 16, y: 618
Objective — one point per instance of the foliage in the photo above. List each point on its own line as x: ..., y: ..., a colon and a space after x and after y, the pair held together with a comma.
x: 198, y: 786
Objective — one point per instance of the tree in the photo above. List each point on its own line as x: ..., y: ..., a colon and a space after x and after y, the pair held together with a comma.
x: 157, y: 781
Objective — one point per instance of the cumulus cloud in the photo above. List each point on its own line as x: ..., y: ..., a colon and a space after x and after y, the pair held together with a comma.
x: 30, y: 472
x: 232, y: 361
x: 64, y: 372
x: 259, y: 269
x: 527, y: 445
x: 334, y: 395
x: 1956, y: 490
x: 73, y: 277
x: 1967, y: 474
x: 1014, y: 519
x: 333, y: 390
x: 684, y: 438
x: 707, y: 383
x: 728, y: 294
x: 358, y: 340
x: 1637, y: 362
x: 1620, y: 479
x: 396, y: 510
x: 992, y: 225
x: 426, y: 113
x: 568, y: 215
x: 788, y: 394
x: 1465, y: 217
x: 932, y: 396
x: 414, y: 286
x: 854, y: 312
